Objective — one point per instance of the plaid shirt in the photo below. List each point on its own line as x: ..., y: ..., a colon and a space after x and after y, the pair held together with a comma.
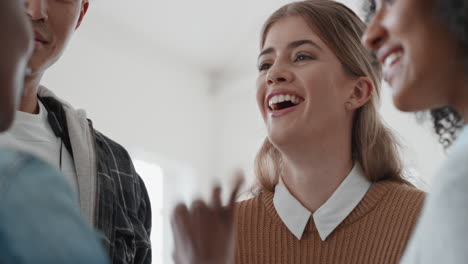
x: 122, y: 206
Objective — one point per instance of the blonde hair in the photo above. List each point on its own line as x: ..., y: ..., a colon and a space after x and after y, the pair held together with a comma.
x: 373, y: 144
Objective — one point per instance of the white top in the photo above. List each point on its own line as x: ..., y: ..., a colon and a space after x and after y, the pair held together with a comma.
x: 342, y: 202
x: 441, y: 235
x: 32, y: 133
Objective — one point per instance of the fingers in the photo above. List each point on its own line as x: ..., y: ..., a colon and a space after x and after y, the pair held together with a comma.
x: 182, y: 232
x: 238, y: 182
x: 216, y: 197
x: 180, y: 213
x: 179, y: 221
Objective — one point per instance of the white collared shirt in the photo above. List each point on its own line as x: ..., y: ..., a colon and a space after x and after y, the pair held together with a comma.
x: 342, y: 202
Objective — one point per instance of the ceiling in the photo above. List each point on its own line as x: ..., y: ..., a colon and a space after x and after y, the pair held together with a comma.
x: 213, y: 35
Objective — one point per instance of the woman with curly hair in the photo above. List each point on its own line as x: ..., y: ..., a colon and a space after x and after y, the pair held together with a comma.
x: 423, y: 46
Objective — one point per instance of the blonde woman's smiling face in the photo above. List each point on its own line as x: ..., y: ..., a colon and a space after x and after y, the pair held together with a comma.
x: 302, y: 87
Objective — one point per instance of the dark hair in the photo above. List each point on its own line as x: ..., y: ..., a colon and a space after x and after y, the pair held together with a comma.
x: 454, y: 15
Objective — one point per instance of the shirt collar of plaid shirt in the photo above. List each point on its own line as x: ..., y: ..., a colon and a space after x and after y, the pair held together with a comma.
x: 342, y: 202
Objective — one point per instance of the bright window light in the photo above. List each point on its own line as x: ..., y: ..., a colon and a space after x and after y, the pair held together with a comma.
x: 153, y: 177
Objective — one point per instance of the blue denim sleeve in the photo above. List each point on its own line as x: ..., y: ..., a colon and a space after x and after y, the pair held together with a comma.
x: 39, y: 218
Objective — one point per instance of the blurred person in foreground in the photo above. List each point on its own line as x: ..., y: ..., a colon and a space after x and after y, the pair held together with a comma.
x: 112, y: 196
x: 40, y: 221
x: 330, y: 185
x: 423, y: 45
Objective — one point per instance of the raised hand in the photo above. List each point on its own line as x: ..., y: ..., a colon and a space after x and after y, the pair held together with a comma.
x: 205, y: 233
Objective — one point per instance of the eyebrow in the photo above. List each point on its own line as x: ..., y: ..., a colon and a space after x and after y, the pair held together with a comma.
x: 292, y: 45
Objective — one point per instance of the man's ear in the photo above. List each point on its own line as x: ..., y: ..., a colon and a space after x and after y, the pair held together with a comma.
x: 360, y: 94
x: 84, y: 9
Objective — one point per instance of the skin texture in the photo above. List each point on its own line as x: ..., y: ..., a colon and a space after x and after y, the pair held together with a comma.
x: 430, y: 73
x: 15, y: 51
x: 54, y: 22
x: 205, y: 233
x: 314, y: 139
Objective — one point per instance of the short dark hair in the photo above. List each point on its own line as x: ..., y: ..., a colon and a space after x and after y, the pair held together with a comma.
x: 454, y: 15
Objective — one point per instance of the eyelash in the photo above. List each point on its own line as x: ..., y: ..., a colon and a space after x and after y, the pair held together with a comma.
x: 303, y: 56
x: 262, y: 66
x: 299, y: 57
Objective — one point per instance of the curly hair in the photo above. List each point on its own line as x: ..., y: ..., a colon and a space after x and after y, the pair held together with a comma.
x: 453, y: 14
x: 447, y: 124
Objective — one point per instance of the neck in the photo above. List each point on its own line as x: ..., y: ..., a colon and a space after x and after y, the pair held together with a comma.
x: 313, y: 172
x: 29, y: 102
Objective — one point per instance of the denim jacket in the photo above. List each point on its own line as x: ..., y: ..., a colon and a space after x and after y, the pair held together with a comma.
x: 40, y: 221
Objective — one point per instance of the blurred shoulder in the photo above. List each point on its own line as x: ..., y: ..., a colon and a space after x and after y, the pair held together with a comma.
x: 14, y: 163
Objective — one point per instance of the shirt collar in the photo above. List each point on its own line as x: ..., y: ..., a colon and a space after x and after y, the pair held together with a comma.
x: 342, y: 202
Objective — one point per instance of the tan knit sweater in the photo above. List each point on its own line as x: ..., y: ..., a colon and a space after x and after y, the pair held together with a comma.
x: 376, y: 231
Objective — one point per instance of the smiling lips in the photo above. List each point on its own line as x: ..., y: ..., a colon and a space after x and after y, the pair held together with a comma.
x: 39, y: 39
x: 280, y: 102
x: 392, y: 58
x: 388, y: 61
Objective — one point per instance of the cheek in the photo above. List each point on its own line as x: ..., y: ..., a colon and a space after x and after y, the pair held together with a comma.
x: 64, y: 22
x: 326, y: 93
x: 320, y: 88
x: 261, y: 93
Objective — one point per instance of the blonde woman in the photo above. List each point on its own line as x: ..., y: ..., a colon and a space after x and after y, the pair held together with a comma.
x: 330, y: 188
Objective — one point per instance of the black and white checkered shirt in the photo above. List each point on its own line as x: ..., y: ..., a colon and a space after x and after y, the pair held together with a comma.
x: 123, y: 210
x: 123, y: 207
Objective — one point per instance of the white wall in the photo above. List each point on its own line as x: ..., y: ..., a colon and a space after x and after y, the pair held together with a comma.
x: 153, y: 102
x: 139, y: 95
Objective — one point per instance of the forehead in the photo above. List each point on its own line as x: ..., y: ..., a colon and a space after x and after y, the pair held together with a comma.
x: 289, y: 29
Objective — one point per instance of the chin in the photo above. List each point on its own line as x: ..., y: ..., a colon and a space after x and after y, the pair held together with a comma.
x: 283, y: 140
x: 278, y: 139
x: 405, y: 99
x: 403, y: 106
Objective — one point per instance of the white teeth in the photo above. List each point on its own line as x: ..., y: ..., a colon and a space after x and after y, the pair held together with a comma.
x: 283, y: 98
x: 392, y: 58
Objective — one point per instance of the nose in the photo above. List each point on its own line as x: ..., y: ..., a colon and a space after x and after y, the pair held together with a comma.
x: 278, y: 75
x: 37, y: 10
x: 375, y: 35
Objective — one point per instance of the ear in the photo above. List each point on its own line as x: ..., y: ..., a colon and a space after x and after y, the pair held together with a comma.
x: 84, y: 9
x: 360, y: 94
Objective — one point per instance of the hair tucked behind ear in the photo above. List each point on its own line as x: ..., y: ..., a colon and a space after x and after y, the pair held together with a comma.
x: 373, y: 144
